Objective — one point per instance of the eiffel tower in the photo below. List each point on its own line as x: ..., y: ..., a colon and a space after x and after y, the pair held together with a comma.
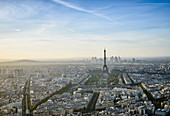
x: 105, y: 69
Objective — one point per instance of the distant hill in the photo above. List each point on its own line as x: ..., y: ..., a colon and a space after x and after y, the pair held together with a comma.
x: 24, y: 61
x: 34, y: 62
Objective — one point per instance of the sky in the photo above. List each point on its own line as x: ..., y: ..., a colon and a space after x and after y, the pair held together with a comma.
x: 56, y: 29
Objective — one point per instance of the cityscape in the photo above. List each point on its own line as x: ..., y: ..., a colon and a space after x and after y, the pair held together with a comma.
x: 84, y: 58
x: 96, y: 86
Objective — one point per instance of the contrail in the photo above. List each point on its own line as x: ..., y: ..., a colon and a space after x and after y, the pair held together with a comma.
x: 72, y: 6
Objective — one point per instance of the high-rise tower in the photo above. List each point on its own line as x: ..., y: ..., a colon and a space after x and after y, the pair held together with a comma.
x: 105, y: 69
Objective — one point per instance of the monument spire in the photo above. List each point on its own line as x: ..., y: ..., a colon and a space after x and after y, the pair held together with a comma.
x: 105, y: 69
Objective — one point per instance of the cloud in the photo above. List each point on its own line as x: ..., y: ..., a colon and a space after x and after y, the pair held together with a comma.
x: 17, y: 30
x: 132, y: 9
x: 72, y: 6
x: 46, y: 40
x: 70, y: 29
x: 132, y: 4
x: 45, y: 27
x: 12, y: 10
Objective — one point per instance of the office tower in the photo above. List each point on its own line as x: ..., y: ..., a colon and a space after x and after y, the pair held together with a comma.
x: 116, y: 59
x: 112, y: 59
x: 119, y: 59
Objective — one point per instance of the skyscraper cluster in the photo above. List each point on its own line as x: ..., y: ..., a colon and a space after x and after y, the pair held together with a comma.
x: 112, y: 59
x: 115, y: 59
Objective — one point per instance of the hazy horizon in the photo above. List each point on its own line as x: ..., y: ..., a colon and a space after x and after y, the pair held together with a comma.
x: 67, y: 29
x: 82, y: 58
